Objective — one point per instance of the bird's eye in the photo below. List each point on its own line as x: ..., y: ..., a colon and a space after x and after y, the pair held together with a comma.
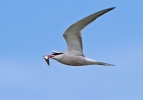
x: 56, y: 54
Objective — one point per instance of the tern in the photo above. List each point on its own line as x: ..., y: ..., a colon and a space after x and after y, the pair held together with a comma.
x: 74, y: 55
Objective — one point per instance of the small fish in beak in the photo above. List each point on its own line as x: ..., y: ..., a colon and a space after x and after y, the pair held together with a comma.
x: 47, y: 57
x: 47, y: 60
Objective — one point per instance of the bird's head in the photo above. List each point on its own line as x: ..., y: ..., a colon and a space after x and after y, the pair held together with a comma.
x: 52, y: 56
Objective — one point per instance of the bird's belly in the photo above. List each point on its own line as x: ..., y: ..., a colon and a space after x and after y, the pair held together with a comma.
x: 73, y: 61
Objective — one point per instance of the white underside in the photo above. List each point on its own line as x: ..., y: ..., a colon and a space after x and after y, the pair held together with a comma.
x: 77, y: 60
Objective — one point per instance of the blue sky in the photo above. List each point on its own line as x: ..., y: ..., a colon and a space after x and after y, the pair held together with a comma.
x: 30, y: 29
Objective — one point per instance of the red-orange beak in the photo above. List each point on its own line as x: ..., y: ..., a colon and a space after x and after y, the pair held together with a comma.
x: 50, y: 56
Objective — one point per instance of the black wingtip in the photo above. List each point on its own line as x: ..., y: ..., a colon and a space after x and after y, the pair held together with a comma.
x: 112, y: 8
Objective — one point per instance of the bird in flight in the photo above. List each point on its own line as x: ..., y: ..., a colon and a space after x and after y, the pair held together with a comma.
x: 74, y: 55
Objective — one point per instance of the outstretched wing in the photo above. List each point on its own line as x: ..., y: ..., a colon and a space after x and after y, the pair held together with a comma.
x: 73, y: 34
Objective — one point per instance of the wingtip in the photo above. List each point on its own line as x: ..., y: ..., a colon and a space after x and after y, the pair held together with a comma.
x: 112, y: 65
x: 109, y: 65
x: 108, y: 9
x: 111, y: 8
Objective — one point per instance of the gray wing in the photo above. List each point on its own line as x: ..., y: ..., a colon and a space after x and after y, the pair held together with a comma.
x: 73, y: 34
x: 53, y: 51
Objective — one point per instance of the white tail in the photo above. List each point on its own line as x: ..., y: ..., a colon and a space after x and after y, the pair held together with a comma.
x: 94, y: 62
